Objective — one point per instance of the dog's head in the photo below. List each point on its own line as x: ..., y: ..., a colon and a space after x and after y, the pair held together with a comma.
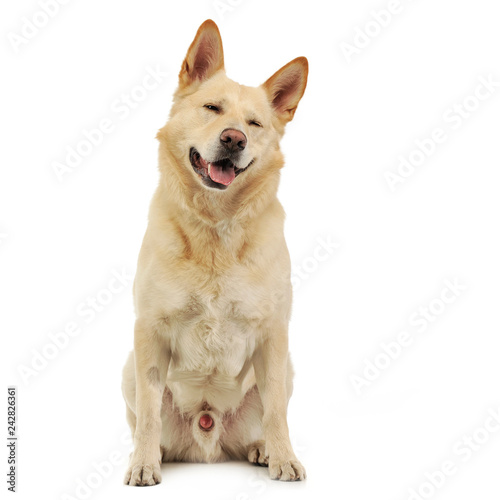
x: 219, y: 131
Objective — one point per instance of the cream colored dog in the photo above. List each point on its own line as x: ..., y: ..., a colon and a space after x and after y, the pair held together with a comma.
x: 210, y: 377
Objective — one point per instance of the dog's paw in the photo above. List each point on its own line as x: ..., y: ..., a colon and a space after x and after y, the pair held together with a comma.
x: 257, y: 454
x: 287, y: 470
x: 139, y: 474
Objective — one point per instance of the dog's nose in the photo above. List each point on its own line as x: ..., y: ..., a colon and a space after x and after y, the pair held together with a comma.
x: 233, y: 140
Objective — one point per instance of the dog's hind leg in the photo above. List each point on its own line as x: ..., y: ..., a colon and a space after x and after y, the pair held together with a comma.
x: 243, y: 432
x: 128, y: 391
x: 257, y: 453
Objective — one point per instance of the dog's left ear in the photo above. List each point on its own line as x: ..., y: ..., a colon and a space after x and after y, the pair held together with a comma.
x: 286, y: 87
x: 204, y: 56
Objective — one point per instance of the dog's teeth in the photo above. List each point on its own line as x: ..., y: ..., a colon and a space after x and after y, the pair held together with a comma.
x: 209, y: 167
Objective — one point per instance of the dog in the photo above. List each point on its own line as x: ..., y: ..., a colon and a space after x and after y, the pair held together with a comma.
x: 210, y: 377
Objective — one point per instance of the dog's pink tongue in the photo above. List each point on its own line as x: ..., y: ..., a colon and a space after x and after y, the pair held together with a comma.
x: 222, y: 175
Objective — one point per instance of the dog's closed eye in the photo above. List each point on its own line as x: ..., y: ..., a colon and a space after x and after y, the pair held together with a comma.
x: 212, y: 107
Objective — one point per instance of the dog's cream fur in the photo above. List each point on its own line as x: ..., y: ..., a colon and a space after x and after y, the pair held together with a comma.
x: 212, y: 290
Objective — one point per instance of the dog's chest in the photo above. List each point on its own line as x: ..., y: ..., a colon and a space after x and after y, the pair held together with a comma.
x: 210, y: 335
x: 214, y: 321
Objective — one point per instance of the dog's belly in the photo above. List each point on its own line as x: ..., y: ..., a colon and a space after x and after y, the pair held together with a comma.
x: 210, y: 363
x: 213, y: 329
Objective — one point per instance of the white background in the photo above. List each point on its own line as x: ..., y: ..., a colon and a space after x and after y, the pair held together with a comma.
x: 60, y: 241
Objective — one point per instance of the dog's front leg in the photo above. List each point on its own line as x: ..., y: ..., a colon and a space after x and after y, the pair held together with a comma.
x: 271, y: 366
x: 151, y: 365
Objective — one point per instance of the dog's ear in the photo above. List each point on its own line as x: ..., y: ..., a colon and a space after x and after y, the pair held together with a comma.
x: 204, y: 56
x: 286, y: 87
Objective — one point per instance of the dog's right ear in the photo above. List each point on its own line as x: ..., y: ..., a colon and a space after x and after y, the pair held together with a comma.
x: 204, y: 56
